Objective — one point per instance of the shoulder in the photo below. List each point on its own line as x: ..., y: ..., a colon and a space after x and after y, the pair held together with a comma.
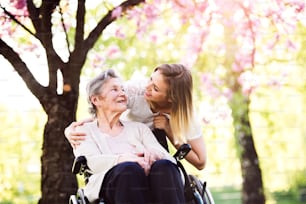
x: 135, y: 86
x: 86, y: 126
x: 195, y: 129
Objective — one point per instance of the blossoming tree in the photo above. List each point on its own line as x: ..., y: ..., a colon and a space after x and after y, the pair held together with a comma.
x: 31, y: 27
x: 243, y: 27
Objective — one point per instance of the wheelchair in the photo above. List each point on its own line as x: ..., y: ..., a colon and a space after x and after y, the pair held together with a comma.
x: 196, y: 191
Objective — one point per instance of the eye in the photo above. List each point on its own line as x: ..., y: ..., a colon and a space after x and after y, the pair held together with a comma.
x: 117, y: 89
x: 114, y: 89
x: 155, y: 88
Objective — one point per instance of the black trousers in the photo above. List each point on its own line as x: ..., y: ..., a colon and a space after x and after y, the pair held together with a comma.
x: 126, y: 183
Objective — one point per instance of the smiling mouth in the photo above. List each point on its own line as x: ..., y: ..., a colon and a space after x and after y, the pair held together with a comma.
x: 121, y: 101
x: 147, y: 94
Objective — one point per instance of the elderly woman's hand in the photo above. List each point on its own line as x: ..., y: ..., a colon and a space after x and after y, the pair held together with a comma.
x: 74, y: 137
x: 139, y: 158
x: 152, y: 155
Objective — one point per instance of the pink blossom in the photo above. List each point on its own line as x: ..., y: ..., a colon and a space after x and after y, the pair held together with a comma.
x: 98, y: 61
x: 247, y: 90
x: 112, y: 51
x: 134, y: 13
x: 270, y: 45
x: 236, y: 67
x: 242, y: 61
x: 291, y: 46
x: 248, y: 81
x: 206, y: 78
x: 228, y: 93
x: 205, y: 120
x: 19, y: 4
x: 116, y: 13
x: 274, y: 82
x: 190, y: 60
x: 211, y: 84
x: 298, y: 4
x: 150, y: 11
x: 119, y: 34
x: 153, y: 38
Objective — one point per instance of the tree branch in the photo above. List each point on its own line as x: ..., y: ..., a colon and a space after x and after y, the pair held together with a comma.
x: 17, y: 21
x: 253, y: 37
x: 82, y: 46
x: 64, y: 28
x: 45, y: 33
x: 34, y: 15
x: 79, y: 33
x: 105, y: 21
x: 22, y: 70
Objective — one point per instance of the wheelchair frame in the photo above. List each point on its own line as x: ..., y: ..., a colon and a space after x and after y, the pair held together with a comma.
x: 196, y: 191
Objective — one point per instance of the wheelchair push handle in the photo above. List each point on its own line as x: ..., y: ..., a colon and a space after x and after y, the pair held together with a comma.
x: 182, y: 151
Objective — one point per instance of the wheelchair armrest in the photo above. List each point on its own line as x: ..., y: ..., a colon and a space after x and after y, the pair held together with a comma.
x: 78, y: 164
x: 182, y: 151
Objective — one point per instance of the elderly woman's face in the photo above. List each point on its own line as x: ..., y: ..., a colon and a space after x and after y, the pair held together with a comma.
x: 112, y: 96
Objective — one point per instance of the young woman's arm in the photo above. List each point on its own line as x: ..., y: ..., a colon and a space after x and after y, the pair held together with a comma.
x: 198, y: 155
x: 76, y: 137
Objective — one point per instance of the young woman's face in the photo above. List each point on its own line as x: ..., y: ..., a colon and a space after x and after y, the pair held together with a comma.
x: 112, y: 96
x: 156, y: 89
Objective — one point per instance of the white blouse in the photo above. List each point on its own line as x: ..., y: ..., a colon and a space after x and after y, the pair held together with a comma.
x: 140, y: 111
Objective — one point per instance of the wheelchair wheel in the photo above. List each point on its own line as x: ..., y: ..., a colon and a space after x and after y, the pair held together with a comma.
x: 202, y: 191
x: 73, y: 200
x: 81, y: 196
x: 209, y: 196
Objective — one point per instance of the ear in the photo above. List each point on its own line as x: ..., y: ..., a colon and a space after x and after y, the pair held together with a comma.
x: 94, y: 100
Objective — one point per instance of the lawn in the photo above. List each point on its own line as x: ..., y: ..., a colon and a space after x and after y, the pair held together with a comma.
x: 231, y: 195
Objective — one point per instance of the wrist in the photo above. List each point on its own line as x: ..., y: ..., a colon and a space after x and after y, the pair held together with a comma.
x: 177, y: 144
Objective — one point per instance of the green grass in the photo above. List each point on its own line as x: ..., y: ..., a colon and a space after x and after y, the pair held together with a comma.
x: 231, y: 195
x: 223, y: 195
x: 287, y: 198
x: 226, y: 195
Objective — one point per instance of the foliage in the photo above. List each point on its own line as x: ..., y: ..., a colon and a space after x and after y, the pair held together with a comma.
x: 20, y: 155
x: 261, y: 27
x: 270, y: 119
x: 43, y: 21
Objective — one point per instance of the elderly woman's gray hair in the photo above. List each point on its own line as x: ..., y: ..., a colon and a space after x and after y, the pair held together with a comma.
x: 94, y: 87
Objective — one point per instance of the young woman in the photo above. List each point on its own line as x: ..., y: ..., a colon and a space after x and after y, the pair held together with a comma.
x: 164, y: 103
x: 128, y: 164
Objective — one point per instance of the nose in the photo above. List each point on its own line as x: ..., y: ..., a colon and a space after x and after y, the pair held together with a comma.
x: 122, y: 92
x: 122, y: 95
x: 149, y: 85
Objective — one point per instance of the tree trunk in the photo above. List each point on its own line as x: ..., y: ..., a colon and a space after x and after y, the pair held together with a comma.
x: 57, y: 182
x: 252, y: 187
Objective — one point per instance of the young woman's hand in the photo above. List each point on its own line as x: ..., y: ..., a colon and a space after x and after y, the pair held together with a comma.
x: 74, y: 137
x: 162, y: 122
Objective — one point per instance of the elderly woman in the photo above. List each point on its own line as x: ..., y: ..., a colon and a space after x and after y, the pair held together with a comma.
x: 127, y: 162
